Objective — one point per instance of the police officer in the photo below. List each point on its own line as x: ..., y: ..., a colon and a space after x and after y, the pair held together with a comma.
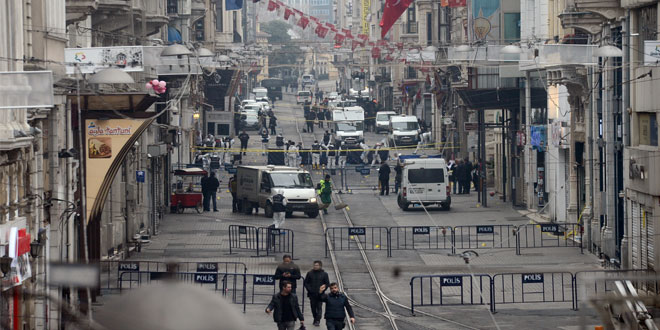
x: 343, y: 153
x: 332, y: 156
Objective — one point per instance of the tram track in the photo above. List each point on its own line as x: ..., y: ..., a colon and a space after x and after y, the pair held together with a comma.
x: 386, y: 302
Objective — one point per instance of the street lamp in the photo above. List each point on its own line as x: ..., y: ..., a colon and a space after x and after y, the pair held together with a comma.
x: 110, y: 76
x: 204, y: 52
x: 176, y: 50
x: 608, y: 51
x: 511, y: 49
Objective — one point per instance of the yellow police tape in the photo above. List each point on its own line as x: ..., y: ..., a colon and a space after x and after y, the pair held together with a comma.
x: 234, y: 149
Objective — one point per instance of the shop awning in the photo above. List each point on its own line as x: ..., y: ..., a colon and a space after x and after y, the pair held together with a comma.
x: 134, y: 102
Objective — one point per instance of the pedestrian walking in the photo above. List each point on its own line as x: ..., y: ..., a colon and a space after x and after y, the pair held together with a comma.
x: 384, y: 178
x: 320, y: 116
x: 326, y: 138
x: 233, y: 188
x: 343, y: 153
x: 244, y: 138
x: 288, y: 271
x: 272, y: 123
x: 292, y: 155
x: 309, y: 120
x: 325, y: 192
x: 285, y: 308
x: 209, y: 190
x: 316, y: 155
x: 398, y: 175
x: 332, y: 156
x: 264, y: 140
x: 336, y: 307
x: 376, y: 158
x: 314, y: 279
x: 279, y: 209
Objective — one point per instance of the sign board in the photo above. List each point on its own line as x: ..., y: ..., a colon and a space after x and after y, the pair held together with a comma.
x: 205, y: 267
x: 651, y: 52
x: 357, y: 231
x: 451, y: 281
x: 485, y: 229
x: 421, y: 230
x: 365, y: 171
x: 128, y: 266
x: 274, y: 231
x: 447, y: 120
x: 28, y: 89
x: 359, y: 168
x: 217, y: 87
x: 93, y: 59
x: 532, y: 278
x: 232, y: 170
x: 139, y: 176
x: 206, y: 278
x: 549, y: 228
x: 470, y: 126
x: 263, y: 280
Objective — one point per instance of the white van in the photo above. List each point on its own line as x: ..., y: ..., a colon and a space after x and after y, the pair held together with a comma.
x: 383, y: 120
x: 424, y: 181
x: 404, y: 130
x: 260, y: 94
x: 303, y: 96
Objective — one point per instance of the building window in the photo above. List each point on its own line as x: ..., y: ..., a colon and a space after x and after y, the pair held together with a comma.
x: 218, y: 16
x: 411, y: 24
x: 648, y: 129
x: 172, y: 6
x: 199, y: 30
x: 647, y: 19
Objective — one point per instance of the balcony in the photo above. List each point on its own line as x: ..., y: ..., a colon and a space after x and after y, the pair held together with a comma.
x: 112, y: 15
x: 588, y: 15
x: 78, y: 10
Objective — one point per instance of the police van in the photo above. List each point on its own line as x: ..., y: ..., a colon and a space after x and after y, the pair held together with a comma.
x: 424, y: 181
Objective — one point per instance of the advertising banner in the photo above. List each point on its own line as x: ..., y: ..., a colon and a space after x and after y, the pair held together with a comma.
x: 90, y: 60
x: 366, y: 5
x: 105, y: 139
x: 19, y: 249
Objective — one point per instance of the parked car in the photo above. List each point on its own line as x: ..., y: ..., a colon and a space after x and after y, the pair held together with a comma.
x: 303, y: 96
x: 383, y: 120
x: 424, y: 181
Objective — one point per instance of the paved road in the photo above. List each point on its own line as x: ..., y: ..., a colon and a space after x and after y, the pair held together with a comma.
x: 193, y: 237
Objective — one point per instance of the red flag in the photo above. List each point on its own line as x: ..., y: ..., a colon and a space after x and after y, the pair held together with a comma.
x: 456, y: 3
x: 347, y: 33
x: 419, y: 95
x: 375, y: 52
x: 314, y: 19
x: 372, y: 44
x: 382, y: 43
x: 272, y: 5
x: 303, y: 22
x: 399, y: 45
x: 389, y: 57
x: 444, y: 3
x: 339, y: 38
x: 363, y: 36
x: 287, y: 14
x: 330, y: 25
x: 354, y: 44
x: 300, y: 13
x: 321, y: 31
x: 393, y: 10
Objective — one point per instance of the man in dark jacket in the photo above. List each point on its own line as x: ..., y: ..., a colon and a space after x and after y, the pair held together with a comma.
x: 320, y: 115
x: 209, y: 189
x: 313, y: 281
x: 205, y: 197
x: 244, y: 137
x: 309, y: 119
x: 384, y: 178
x: 272, y: 124
x: 288, y: 271
x: 285, y: 308
x: 335, y: 303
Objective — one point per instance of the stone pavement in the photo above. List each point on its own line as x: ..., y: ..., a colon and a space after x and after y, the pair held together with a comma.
x: 204, y: 237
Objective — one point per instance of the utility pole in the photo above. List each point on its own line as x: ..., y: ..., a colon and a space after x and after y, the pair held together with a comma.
x: 626, y: 125
x: 609, y: 244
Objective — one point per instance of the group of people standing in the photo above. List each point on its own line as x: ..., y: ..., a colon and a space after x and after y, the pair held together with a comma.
x: 463, y: 174
x: 316, y: 115
x: 284, y: 305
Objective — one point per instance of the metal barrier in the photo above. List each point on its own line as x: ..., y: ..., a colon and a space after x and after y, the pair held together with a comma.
x: 451, y: 290
x: 421, y: 238
x: 515, y: 288
x: 347, y: 238
x: 484, y: 237
x: 243, y: 238
x: 593, y: 282
x: 110, y: 270
x: 274, y: 240
x: 261, y: 239
x: 546, y: 235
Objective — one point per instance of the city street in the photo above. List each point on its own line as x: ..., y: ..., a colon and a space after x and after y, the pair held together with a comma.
x: 192, y: 237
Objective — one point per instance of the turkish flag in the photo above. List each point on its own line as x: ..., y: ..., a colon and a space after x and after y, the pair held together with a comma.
x: 303, y: 22
x: 393, y: 10
x: 272, y: 5
x: 330, y: 25
x: 287, y: 13
x: 389, y: 57
x: 321, y: 31
x: 300, y: 13
x: 375, y: 52
x: 456, y: 3
x: 339, y: 38
x: 347, y: 33
x: 314, y: 19
x: 355, y: 44
x: 363, y: 36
